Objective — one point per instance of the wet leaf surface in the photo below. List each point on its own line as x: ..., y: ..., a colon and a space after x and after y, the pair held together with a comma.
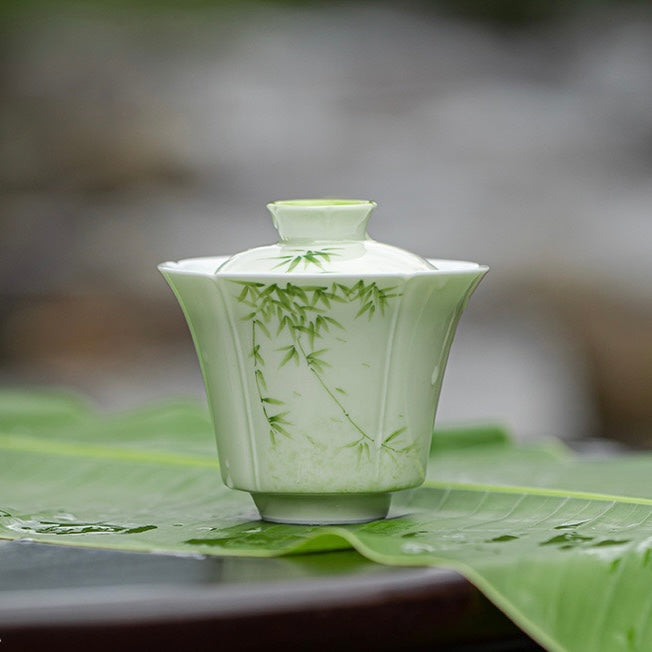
x: 562, y: 545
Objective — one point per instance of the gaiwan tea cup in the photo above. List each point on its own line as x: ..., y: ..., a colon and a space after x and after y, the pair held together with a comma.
x: 322, y: 357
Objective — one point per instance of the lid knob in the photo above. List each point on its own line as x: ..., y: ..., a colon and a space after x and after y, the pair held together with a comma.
x: 304, y: 220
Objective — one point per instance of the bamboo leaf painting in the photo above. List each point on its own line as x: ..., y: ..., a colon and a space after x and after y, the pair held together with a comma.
x: 309, y: 257
x: 292, y: 312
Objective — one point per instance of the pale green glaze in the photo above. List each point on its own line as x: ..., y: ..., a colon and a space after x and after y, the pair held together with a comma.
x: 323, y: 359
x: 324, y: 237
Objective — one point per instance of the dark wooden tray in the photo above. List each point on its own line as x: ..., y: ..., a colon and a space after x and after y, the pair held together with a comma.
x: 55, y: 597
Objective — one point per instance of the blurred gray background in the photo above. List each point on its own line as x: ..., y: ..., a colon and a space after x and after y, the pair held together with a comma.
x: 517, y: 134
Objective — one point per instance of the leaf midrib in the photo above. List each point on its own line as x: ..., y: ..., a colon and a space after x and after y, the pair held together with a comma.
x: 31, y: 444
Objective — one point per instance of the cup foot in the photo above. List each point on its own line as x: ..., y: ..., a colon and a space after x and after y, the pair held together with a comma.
x: 322, y: 509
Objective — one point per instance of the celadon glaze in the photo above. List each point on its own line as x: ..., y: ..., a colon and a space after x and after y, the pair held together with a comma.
x: 323, y: 357
x: 326, y: 237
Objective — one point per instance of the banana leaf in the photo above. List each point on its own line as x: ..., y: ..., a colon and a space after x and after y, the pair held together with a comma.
x: 561, y: 544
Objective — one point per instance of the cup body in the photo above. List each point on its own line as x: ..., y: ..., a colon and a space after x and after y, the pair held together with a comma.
x: 323, y: 389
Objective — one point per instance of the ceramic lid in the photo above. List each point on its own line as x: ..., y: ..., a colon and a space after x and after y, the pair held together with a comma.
x: 324, y: 236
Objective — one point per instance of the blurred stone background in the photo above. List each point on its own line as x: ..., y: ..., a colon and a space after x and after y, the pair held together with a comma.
x: 517, y: 134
